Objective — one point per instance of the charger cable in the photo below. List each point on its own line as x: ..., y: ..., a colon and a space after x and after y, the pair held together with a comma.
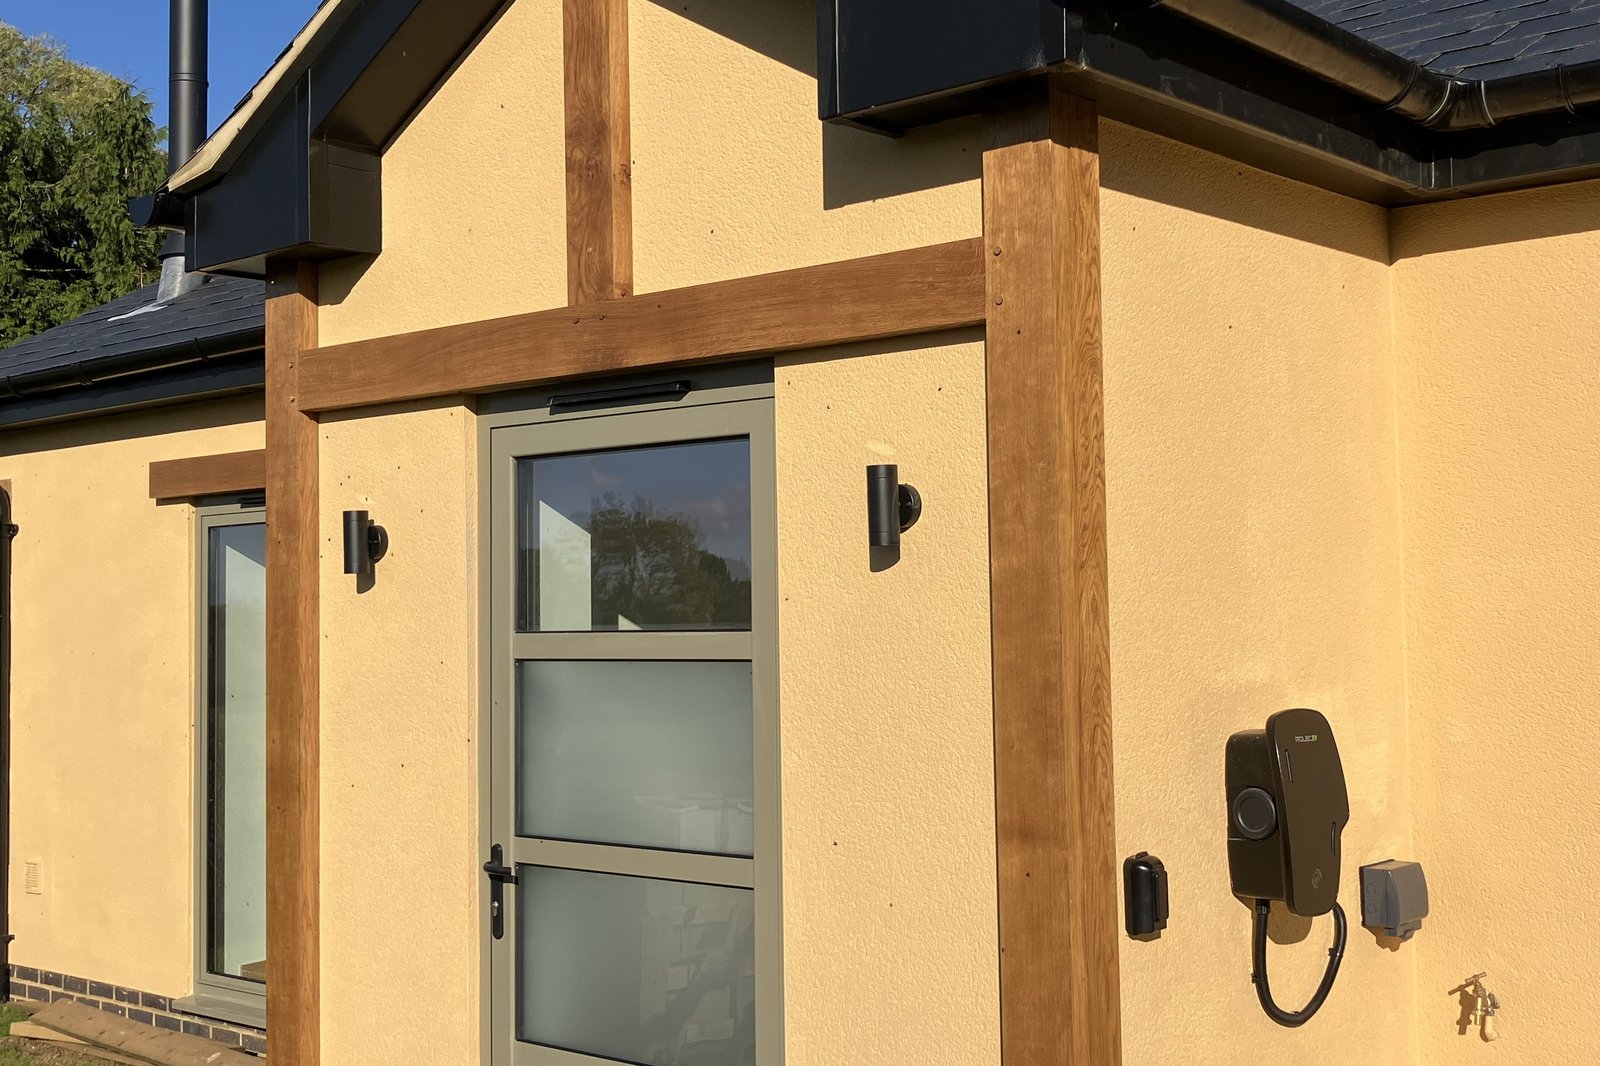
x: 1294, y: 1019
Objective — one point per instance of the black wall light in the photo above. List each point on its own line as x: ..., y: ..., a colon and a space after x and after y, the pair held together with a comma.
x: 892, y: 508
x: 365, y: 542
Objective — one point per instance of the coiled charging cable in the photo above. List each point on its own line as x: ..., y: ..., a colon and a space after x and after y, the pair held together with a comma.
x: 1294, y: 1018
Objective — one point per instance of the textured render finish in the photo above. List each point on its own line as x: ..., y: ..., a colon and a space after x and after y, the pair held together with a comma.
x: 890, y: 942
x: 1495, y: 330
x: 399, y: 743
x: 733, y: 174
x: 103, y: 693
x: 1254, y: 566
x: 715, y: 195
x: 469, y: 242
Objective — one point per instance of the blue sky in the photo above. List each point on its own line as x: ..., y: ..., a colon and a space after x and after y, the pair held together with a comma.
x: 129, y: 38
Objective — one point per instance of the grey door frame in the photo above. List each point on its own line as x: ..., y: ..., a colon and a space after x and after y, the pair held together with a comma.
x: 735, y: 402
x: 215, y: 995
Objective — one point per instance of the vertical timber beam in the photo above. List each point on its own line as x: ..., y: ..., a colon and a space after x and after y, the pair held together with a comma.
x: 599, y: 170
x: 1055, y: 831
x: 293, y: 992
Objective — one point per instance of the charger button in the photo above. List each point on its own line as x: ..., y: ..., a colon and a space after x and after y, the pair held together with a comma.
x: 1255, y: 815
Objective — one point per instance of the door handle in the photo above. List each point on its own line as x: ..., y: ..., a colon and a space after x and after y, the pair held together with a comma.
x: 500, y: 875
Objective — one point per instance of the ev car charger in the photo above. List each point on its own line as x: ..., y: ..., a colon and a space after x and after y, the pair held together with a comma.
x: 1287, y: 806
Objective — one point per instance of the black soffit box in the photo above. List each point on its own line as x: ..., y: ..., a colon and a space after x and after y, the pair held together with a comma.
x: 1216, y: 79
x: 303, y: 179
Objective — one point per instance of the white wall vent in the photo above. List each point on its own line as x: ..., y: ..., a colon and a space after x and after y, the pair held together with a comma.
x: 33, y: 877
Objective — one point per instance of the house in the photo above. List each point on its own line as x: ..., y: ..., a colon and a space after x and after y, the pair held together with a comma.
x: 125, y: 788
x: 1236, y: 350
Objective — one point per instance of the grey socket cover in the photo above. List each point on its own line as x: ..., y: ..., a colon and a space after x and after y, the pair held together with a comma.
x: 1394, y: 897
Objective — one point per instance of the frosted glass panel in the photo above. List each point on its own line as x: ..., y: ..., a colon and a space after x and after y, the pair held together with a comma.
x: 236, y: 938
x: 651, y: 754
x: 635, y: 538
x: 636, y: 969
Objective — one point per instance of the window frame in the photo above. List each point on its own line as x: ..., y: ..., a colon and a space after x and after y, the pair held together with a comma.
x: 219, y: 996
x: 736, y: 402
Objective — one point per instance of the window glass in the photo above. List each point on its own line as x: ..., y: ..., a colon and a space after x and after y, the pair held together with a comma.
x: 651, y: 754
x: 235, y: 858
x: 636, y: 969
x: 635, y: 538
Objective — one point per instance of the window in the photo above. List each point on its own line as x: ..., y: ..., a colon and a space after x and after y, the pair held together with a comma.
x: 231, y: 939
x: 634, y: 739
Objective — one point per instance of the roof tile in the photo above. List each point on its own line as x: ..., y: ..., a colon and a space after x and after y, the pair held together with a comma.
x: 220, y: 307
x: 1473, y: 38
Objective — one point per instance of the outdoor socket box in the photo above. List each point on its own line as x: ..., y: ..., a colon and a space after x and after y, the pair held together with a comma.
x: 1394, y: 897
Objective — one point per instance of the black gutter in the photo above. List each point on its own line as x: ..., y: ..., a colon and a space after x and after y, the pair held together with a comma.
x: 7, y: 532
x: 1436, y: 101
x: 214, y: 379
x: 1259, y: 81
x: 86, y: 372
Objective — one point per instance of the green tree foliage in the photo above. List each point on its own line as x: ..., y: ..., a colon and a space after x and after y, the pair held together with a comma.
x: 75, y: 144
x: 650, y: 566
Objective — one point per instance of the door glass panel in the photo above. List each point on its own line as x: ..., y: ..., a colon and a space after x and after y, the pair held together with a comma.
x: 635, y: 538
x: 236, y: 836
x: 637, y: 969
x: 650, y: 754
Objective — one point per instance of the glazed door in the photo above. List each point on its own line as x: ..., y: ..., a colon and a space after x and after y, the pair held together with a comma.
x: 632, y: 870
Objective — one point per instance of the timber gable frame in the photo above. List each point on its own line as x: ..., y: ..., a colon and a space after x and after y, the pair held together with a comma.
x: 1034, y: 276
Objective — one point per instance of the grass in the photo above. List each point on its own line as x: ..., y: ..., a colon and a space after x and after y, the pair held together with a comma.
x: 14, y: 1051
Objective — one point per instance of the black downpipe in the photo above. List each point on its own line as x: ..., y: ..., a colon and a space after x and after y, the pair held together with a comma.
x: 7, y: 531
x: 187, y: 88
x: 1437, y: 101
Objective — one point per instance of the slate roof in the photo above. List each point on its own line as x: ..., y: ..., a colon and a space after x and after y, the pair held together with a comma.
x: 1482, y: 39
x: 220, y: 309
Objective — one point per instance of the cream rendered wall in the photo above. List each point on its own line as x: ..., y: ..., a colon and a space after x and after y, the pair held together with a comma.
x: 395, y: 666
x: 474, y: 195
x: 733, y: 174
x: 1495, y: 332
x: 399, y: 736
x: 890, y: 941
x: 1254, y: 565
x: 103, y: 692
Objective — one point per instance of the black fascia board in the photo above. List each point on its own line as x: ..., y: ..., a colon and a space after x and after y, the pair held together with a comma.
x: 1162, y: 72
x: 1159, y: 73
x: 307, y: 182
x: 235, y: 375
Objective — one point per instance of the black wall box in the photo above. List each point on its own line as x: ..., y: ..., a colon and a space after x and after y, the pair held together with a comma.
x: 1144, y: 895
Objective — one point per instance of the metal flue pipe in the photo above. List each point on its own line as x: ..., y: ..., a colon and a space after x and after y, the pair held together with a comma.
x: 187, y: 85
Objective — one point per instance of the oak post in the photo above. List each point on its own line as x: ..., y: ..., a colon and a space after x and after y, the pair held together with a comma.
x: 599, y: 170
x: 1055, y: 830
x: 293, y: 979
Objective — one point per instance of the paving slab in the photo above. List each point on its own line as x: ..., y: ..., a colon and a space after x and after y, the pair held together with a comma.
x: 141, y: 1043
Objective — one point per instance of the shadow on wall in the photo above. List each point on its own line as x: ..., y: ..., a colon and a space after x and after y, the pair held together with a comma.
x: 338, y: 278
x: 1149, y: 167
x: 1506, y: 218
x: 857, y: 166
x: 157, y: 422
x: 1283, y: 925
